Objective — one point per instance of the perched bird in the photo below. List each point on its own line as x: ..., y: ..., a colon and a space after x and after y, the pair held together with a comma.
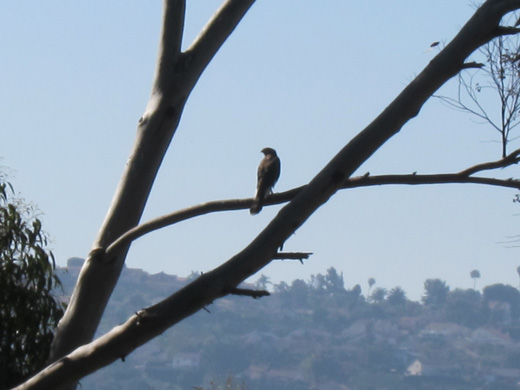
x: 268, y: 174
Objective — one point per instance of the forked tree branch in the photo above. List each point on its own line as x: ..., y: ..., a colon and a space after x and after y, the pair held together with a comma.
x: 175, y: 77
x: 511, y: 159
x: 171, y: 43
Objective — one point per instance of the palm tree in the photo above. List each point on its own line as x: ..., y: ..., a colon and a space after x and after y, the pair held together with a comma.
x: 475, y: 274
x: 379, y: 295
x: 262, y: 282
x: 371, y: 282
x: 396, y: 296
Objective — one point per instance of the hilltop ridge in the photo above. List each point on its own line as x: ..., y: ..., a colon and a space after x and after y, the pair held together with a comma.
x: 319, y: 335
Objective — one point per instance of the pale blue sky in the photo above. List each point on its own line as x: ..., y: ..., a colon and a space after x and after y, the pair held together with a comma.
x: 300, y: 76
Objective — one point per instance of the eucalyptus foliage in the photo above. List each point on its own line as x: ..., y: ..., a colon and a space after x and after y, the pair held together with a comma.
x: 29, y: 311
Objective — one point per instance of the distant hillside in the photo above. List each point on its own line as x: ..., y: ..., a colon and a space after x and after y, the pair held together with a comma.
x: 318, y: 335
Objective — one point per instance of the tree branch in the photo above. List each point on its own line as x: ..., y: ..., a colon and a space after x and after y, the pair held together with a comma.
x: 510, y: 159
x: 170, y: 45
x: 462, y: 177
x: 212, y: 37
x: 249, y: 293
x: 506, y: 30
x: 448, y: 178
x: 175, y: 78
x: 292, y: 256
x: 472, y: 65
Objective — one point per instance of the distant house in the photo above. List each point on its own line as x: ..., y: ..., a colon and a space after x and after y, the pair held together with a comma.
x: 414, y: 369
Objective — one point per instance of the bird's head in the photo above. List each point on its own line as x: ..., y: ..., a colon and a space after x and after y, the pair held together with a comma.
x: 269, y: 151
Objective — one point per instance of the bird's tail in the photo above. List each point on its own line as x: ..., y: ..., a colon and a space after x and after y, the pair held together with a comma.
x: 256, y: 207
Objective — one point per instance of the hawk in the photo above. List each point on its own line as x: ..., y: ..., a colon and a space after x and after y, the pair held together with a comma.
x: 268, y: 174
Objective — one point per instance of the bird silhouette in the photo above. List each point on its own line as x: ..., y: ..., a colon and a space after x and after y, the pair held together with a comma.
x: 268, y: 174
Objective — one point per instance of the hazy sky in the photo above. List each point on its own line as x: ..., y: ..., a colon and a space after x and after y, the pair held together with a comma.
x: 300, y: 76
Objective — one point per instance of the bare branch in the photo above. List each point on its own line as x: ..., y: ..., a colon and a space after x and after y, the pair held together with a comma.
x: 249, y: 293
x: 172, y: 218
x: 292, y: 256
x: 453, y: 178
x: 511, y: 159
x: 175, y: 78
x: 472, y: 65
x: 463, y: 177
x: 170, y: 44
x: 213, y: 36
x: 506, y: 30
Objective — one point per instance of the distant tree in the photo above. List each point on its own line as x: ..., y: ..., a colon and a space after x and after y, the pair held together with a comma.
x: 237, y: 356
x: 518, y: 271
x: 504, y: 293
x: 331, y: 284
x: 497, y: 81
x: 299, y: 286
x: 299, y: 292
x: 379, y: 295
x: 354, y: 296
x: 29, y: 311
x: 262, y: 282
x: 281, y: 287
x: 194, y: 275
x: 465, y: 307
x: 318, y: 283
x: 435, y: 293
x: 371, y: 282
x: 475, y: 274
x: 334, y: 281
x: 355, y: 291
x: 396, y: 297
